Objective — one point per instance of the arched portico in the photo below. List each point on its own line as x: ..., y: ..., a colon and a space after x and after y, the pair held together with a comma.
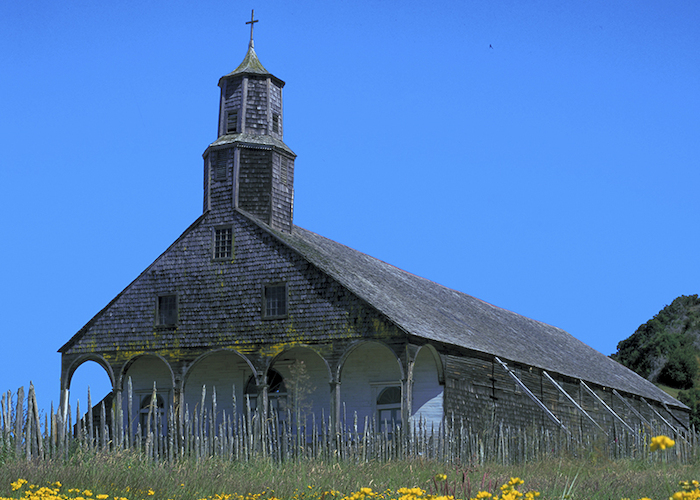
x: 427, y: 391
x: 224, y: 370
x: 68, y: 373
x: 368, y: 375
x: 145, y: 372
x: 306, y: 376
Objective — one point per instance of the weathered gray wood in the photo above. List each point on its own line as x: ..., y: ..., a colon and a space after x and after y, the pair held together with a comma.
x: 534, y: 398
x: 671, y: 426
x: 573, y: 401
x: 19, y: 413
x: 605, y: 405
x: 632, y: 409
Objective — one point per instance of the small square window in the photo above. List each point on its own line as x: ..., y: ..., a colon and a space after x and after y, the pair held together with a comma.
x: 223, y: 243
x: 167, y: 310
x: 232, y: 122
x: 275, y: 301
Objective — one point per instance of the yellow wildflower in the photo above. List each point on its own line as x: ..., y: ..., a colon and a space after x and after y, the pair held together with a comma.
x: 440, y: 477
x: 151, y: 492
x: 18, y: 484
x: 102, y: 497
x: 661, y: 443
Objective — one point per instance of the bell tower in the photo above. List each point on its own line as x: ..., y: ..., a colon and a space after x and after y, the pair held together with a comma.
x: 249, y: 167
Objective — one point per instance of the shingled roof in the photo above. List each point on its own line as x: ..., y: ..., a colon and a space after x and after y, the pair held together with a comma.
x: 425, y: 309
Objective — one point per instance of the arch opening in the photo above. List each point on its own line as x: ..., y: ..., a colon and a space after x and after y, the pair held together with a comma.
x: 369, y: 372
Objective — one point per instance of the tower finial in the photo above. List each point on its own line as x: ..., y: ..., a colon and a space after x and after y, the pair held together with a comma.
x: 252, y: 23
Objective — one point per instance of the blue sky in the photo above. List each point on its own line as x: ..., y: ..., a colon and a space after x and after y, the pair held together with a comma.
x: 540, y: 155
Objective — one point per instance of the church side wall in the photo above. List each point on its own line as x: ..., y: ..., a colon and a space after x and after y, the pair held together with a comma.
x: 482, y: 394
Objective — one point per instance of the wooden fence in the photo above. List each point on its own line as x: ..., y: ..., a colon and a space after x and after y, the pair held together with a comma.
x: 169, y: 434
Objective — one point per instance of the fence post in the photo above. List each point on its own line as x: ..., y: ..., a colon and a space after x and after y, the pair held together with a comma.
x: 19, y: 420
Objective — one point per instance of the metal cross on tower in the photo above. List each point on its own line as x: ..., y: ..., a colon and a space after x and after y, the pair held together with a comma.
x: 252, y: 23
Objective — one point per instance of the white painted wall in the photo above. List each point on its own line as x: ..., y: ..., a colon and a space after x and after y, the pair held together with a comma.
x: 144, y: 372
x: 428, y: 394
x: 221, y: 370
x: 316, y: 391
x: 365, y: 372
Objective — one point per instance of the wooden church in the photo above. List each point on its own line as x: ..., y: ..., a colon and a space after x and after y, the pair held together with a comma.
x: 248, y: 303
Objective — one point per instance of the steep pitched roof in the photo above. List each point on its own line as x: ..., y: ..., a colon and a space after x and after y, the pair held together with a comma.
x: 251, y: 65
x: 426, y: 309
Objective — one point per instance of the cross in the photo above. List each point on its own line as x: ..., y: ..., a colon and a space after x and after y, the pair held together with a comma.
x: 252, y: 23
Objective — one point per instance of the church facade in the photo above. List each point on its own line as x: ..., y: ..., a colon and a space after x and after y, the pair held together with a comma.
x: 264, y: 311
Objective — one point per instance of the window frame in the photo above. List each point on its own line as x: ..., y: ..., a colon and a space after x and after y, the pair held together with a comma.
x: 215, y: 243
x: 143, y: 400
x: 159, y: 306
x: 229, y: 114
x: 395, y: 408
x: 264, y: 293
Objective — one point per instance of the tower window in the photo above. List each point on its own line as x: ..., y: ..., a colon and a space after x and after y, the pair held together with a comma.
x: 275, y: 301
x: 223, y: 243
x: 275, y: 123
x: 218, y: 165
x: 232, y: 122
x: 284, y: 170
x: 167, y: 310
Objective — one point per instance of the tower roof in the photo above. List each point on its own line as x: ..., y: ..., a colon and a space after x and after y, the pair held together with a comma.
x: 251, y: 64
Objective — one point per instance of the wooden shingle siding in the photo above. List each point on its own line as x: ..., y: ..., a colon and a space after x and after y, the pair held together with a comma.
x: 219, y: 302
x: 282, y: 192
x: 255, y: 182
x: 221, y: 182
x: 256, y: 107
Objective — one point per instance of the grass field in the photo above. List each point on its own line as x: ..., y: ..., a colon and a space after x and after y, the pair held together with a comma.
x: 125, y: 475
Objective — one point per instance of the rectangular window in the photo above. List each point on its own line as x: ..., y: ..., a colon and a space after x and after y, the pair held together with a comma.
x: 223, y: 243
x: 167, y: 310
x: 218, y: 165
x: 284, y: 170
x: 275, y: 301
x: 275, y: 123
x: 232, y: 122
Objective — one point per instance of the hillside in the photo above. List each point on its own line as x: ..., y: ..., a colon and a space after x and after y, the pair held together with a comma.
x: 666, y: 351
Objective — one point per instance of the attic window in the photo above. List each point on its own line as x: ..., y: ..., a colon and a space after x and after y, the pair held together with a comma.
x: 166, y: 315
x: 223, y: 243
x: 275, y: 301
x: 275, y: 123
x: 232, y: 121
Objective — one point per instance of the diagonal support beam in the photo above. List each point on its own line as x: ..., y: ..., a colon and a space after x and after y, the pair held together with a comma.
x: 674, y: 416
x: 610, y: 410
x: 662, y: 418
x: 527, y: 391
x: 573, y: 401
x: 632, y: 409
